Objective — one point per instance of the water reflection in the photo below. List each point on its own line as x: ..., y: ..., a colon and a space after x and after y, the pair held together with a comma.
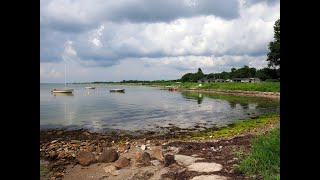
x: 242, y: 102
x: 62, y: 94
x: 193, y: 96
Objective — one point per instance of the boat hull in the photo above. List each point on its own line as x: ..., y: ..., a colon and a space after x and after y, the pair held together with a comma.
x: 62, y: 91
x: 90, y: 87
x: 117, y: 90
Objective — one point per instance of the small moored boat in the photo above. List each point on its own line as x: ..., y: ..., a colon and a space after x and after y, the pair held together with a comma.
x: 117, y: 90
x: 62, y: 91
x: 90, y: 87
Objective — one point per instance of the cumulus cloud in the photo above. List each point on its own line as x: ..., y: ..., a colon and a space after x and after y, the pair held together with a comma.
x: 177, y: 35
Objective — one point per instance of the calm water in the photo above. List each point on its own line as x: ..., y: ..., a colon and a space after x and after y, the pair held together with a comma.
x: 142, y: 108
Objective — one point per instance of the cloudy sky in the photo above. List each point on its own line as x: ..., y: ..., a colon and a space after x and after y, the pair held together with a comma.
x: 102, y: 40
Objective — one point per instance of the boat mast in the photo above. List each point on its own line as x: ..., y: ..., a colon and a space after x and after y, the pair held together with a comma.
x: 65, y: 75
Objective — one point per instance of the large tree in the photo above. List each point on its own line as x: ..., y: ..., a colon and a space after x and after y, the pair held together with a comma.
x: 274, y: 47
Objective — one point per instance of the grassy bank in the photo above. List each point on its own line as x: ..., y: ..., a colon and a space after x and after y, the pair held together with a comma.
x: 264, y: 160
x: 262, y: 87
x: 238, y: 127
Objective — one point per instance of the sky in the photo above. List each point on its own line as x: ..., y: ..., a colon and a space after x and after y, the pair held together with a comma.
x: 100, y: 40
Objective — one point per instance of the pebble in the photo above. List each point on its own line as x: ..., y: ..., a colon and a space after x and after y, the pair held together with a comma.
x: 143, y: 147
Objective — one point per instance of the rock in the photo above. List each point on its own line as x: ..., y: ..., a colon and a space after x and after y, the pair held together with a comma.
x: 184, y: 160
x: 86, y: 158
x: 121, y: 163
x: 52, y: 154
x: 145, y: 158
x: 205, y: 167
x: 59, y: 132
x: 86, y: 133
x: 168, y: 160
x: 123, y: 148
x: 209, y: 177
x: 112, y: 170
x: 253, y: 116
x: 51, y: 147
x: 75, y: 142
x: 108, y: 156
x: 54, y: 141
x: 157, y: 153
x: 61, y: 155
x: 137, y: 156
x: 104, y: 145
x: 99, y: 149
x: 143, y: 147
x: 155, y: 162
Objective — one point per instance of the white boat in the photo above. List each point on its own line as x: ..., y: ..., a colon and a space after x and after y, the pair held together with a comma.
x: 62, y: 91
x: 65, y: 90
x: 117, y: 90
x: 90, y: 87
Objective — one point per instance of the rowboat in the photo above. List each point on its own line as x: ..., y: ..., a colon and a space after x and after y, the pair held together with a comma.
x: 117, y: 90
x: 62, y: 91
x: 90, y: 87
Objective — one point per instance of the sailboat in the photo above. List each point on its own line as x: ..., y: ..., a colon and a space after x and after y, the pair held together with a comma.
x: 65, y: 90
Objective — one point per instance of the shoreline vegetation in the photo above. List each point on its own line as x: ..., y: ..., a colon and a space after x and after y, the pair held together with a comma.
x: 231, y: 86
x: 228, y: 145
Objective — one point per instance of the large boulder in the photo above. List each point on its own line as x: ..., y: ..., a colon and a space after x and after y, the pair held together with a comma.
x: 108, y: 155
x: 85, y: 158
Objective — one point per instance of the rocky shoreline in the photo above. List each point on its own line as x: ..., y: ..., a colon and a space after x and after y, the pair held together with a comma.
x: 273, y: 95
x: 79, y: 154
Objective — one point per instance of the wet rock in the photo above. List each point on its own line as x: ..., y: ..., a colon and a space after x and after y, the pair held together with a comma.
x: 108, y: 155
x: 184, y: 160
x: 86, y: 158
x: 121, y: 163
x: 205, y: 167
x: 157, y: 153
x: 168, y: 160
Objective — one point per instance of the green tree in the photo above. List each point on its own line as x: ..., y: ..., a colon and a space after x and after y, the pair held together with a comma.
x: 274, y: 47
x: 200, y: 71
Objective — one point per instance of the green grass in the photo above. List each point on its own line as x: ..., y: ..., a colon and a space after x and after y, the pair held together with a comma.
x: 235, y: 128
x: 262, y: 87
x: 264, y: 160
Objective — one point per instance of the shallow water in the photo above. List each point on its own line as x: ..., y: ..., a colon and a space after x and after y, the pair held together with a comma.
x: 142, y: 108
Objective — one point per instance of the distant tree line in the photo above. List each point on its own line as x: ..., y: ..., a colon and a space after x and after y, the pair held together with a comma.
x: 244, y: 72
